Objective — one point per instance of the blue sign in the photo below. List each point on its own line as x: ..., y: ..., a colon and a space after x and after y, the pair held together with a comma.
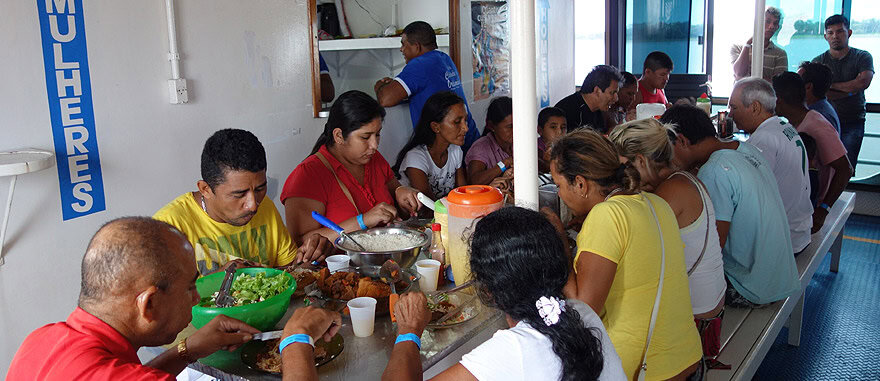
x: 543, y: 53
x: 69, y: 90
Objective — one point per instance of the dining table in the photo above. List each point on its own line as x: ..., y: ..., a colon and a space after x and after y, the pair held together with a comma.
x: 362, y: 358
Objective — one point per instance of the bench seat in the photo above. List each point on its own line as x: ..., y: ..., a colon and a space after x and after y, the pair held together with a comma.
x: 747, y: 334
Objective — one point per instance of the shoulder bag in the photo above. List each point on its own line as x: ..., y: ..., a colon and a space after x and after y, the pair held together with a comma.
x: 643, y: 367
x: 341, y: 185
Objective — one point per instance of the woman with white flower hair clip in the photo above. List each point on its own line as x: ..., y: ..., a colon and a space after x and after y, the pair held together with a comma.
x: 520, y: 267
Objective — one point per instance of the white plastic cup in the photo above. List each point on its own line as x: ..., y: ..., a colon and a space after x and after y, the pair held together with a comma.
x: 363, y: 315
x: 429, y: 269
x: 337, y: 262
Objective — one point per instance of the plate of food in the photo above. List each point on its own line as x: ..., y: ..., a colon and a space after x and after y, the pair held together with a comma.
x: 305, y: 280
x: 354, y: 282
x: 264, y: 355
x: 445, y: 303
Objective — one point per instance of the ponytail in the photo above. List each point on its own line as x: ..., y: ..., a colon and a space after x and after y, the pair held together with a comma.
x: 578, y: 347
x: 586, y: 153
x: 326, y: 138
x: 625, y: 177
x: 505, y: 246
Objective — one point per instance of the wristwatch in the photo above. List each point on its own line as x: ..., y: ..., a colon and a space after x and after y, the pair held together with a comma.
x: 183, y: 353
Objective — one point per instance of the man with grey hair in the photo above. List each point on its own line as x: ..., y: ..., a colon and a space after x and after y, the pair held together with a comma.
x: 753, y: 109
x: 775, y: 58
x: 138, y: 289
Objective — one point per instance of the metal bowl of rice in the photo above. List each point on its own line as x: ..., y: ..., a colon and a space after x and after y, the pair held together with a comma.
x: 402, y: 245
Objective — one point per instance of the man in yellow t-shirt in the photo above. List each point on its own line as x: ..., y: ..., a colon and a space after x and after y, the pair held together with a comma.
x: 226, y: 220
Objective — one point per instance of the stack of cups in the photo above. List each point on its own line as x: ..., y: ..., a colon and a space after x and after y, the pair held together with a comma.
x: 363, y: 315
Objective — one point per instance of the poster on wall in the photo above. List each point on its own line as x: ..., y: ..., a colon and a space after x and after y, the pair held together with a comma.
x: 69, y: 93
x: 490, y: 26
x: 542, y: 24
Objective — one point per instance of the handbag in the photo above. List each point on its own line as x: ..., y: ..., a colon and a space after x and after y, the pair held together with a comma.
x: 341, y: 185
x: 643, y: 366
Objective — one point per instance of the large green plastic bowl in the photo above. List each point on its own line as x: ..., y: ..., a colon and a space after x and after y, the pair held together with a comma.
x: 261, y: 315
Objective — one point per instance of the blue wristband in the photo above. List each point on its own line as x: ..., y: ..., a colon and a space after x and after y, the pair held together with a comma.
x: 298, y: 338
x: 825, y: 206
x: 360, y: 218
x: 409, y: 337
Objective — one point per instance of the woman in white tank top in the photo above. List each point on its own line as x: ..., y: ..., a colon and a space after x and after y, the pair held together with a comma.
x: 647, y: 144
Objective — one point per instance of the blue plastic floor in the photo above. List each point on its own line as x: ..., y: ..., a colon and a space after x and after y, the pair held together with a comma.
x: 841, y: 327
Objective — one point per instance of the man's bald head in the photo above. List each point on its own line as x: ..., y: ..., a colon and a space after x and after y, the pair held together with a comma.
x: 130, y: 252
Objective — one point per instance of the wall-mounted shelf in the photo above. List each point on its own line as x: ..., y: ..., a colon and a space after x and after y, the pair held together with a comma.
x: 14, y: 163
x: 370, y: 43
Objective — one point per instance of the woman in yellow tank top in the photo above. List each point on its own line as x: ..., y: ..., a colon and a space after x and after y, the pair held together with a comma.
x: 618, y: 260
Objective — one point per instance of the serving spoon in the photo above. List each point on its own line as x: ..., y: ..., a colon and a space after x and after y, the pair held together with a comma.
x: 338, y: 229
x: 390, y: 272
x: 223, y: 298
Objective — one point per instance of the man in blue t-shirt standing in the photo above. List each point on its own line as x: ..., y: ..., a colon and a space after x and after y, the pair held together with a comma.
x: 427, y: 71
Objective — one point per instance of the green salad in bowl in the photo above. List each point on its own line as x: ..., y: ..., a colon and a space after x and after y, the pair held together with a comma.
x: 248, y: 289
x: 262, y: 296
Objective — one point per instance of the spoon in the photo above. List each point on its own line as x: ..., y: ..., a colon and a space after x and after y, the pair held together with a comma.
x: 338, y: 229
x: 390, y: 272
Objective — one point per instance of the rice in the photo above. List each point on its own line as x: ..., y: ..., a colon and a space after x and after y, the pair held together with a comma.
x: 382, y: 242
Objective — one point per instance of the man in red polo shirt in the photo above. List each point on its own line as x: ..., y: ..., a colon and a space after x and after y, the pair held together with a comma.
x: 138, y: 288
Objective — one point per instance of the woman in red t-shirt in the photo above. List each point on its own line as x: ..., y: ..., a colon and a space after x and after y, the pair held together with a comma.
x: 346, y: 178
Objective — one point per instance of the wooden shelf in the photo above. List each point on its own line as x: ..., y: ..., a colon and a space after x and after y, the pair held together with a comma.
x: 370, y: 43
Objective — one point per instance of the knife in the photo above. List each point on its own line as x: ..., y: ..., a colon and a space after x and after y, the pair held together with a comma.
x: 269, y: 335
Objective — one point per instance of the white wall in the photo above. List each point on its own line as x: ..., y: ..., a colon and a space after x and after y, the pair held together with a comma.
x: 245, y: 62
x: 245, y: 65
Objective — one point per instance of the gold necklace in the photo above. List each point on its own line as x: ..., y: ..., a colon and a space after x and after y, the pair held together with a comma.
x: 612, y: 193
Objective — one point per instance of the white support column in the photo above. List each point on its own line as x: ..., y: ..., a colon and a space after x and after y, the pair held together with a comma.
x: 525, y: 102
x: 758, y: 40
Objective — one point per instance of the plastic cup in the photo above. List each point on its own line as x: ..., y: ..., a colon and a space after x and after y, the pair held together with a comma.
x: 337, y: 262
x: 363, y: 315
x: 429, y: 269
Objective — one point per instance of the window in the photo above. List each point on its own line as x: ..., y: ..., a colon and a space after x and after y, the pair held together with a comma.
x: 800, y: 34
x: 675, y: 27
x: 865, y: 24
x: 589, y: 37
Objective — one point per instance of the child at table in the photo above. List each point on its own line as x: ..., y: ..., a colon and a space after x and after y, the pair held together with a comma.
x: 551, y: 126
x: 432, y: 160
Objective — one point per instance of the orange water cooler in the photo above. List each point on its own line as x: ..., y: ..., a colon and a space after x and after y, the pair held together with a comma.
x: 467, y: 205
